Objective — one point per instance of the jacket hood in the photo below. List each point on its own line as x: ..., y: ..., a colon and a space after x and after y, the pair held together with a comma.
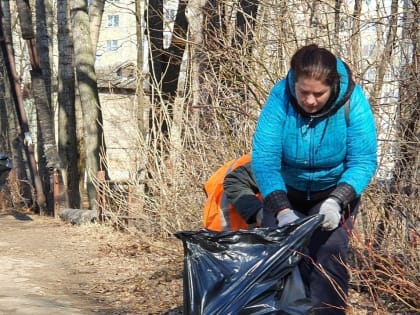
x: 339, y: 95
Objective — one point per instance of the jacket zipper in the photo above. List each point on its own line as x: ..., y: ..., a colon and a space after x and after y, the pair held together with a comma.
x: 311, y: 159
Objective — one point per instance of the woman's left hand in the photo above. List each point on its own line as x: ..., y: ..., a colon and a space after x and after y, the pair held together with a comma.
x: 332, y: 214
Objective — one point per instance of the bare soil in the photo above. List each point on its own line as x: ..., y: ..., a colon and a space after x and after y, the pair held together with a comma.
x: 52, y: 267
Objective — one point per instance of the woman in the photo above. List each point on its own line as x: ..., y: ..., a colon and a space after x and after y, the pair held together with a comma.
x: 310, y: 156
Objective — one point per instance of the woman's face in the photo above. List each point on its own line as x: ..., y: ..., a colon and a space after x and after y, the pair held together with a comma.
x: 311, y: 94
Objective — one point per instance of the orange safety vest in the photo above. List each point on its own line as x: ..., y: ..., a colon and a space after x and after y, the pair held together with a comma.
x: 219, y: 215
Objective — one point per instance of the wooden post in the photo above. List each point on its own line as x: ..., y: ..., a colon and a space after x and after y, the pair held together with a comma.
x: 101, y: 195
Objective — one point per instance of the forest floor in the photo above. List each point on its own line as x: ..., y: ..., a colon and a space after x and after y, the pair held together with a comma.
x: 53, y: 267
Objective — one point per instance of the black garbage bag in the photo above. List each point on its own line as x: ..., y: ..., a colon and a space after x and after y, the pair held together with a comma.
x: 247, y: 271
x: 5, y: 167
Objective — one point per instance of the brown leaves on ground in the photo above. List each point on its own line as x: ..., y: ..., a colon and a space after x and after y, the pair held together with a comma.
x: 95, y: 267
x: 140, y: 274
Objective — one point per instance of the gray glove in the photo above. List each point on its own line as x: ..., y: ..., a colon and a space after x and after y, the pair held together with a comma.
x: 332, y: 214
x: 287, y: 216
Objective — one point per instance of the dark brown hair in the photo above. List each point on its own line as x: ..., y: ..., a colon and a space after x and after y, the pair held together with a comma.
x: 314, y: 62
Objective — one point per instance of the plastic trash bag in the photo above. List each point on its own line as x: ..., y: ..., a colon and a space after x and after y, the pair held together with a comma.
x: 5, y: 166
x: 246, y: 271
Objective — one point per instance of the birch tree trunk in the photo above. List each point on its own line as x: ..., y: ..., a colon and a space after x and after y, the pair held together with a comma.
x: 178, y: 46
x: 87, y: 86
x: 67, y: 136
x: 194, y: 14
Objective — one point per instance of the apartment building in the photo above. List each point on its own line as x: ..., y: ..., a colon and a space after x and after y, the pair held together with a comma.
x: 115, y: 65
x: 117, y: 42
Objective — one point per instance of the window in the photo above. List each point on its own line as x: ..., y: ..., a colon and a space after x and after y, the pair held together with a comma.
x: 111, y: 45
x: 113, y: 20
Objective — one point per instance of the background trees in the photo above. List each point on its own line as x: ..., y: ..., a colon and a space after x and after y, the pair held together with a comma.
x: 197, y: 105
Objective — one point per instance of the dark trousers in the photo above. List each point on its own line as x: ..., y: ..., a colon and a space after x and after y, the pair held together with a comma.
x: 323, y: 269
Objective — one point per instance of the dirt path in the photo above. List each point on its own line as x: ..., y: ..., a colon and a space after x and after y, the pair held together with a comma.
x: 50, y: 267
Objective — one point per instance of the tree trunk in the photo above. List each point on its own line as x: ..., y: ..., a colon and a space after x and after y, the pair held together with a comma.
x: 154, y: 21
x: 356, y: 41
x: 194, y: 14
x: 96, y: 11
x: 41, y: 87
x: 141, y: 99
x: 178, y: 45
x: 405, y: 175
x: 8, y: 53
x: 87, y: 86
x: 400, y: 166
x: 143, y: 109
x: 48, y: 156
x: 44, y: 40
x: 67, y: 137
x: 9, y: 123
x: 246, y: 21
x: 384, y: 58
x: 337, y: 8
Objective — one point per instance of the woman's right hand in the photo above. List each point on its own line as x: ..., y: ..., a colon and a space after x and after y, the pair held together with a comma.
x: 287, y: 216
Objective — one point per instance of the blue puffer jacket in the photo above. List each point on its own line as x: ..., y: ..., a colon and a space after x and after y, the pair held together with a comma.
x: 313, y: 153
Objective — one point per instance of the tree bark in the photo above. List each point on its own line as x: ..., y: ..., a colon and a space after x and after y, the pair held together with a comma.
x: 87, y: 86
x: 194, y: 14
x: 8, y: 53
x: 141, y: 98
x: 356, y: 42
x: 337, y: 8
x: 154, y: 21
x: 9, y: 124
x: 96, y: 11
x: 67, y: 136
x: 48, y: 158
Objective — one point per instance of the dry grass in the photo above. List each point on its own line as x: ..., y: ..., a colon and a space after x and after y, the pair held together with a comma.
x: 385, y: 259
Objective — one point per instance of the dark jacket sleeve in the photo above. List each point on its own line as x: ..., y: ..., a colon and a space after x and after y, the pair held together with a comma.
x: 241, y: 189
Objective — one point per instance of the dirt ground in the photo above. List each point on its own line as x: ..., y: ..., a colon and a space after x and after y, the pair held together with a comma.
x: 52, y: 267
